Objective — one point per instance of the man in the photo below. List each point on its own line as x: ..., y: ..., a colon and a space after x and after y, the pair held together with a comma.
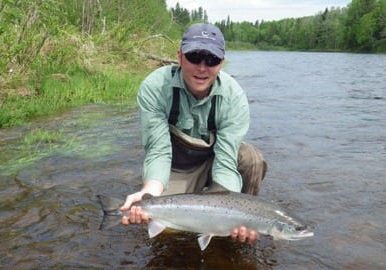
x: 193, y: 119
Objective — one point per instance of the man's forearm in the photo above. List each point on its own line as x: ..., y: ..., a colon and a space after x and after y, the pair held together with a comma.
x: 152, y: 187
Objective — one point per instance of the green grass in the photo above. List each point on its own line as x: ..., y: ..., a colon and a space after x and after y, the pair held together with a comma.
x: 57, y: 92
x: 34, y: 145
x: 39, y: 137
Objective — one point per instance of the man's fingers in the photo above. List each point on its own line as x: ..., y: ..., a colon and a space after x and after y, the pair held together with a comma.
x: 252, y: 237
x: 235, y: 233
x: 243, y: 234
x: 127, y: 204
x: 138, y: 215
x: 129, y: 201
x: 125, y: 220
x: 132, y: 214
x: 145, y: 217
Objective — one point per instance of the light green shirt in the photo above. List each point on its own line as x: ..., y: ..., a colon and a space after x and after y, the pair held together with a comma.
x: 155, y: 98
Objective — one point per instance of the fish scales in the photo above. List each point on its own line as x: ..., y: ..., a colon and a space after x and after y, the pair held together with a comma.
x: 225, y: 203
x: 216, y: 214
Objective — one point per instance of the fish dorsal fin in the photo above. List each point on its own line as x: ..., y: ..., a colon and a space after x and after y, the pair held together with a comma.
x: 155, y: 228
x: 204, y: 240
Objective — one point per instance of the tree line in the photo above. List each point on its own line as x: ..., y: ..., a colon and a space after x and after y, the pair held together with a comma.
x: 184, y: 17
x: 361, y: 27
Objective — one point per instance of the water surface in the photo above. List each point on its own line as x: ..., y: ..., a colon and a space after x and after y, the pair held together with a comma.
x: 320, y: 120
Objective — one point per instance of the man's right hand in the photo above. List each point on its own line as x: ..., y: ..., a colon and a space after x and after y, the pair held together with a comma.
x: 134, y: 214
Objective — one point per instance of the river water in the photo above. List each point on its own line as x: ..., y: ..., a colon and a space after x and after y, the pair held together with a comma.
x: 320, y: 120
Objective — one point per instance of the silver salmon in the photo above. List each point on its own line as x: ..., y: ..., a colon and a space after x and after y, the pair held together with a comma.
x: 212, y: 214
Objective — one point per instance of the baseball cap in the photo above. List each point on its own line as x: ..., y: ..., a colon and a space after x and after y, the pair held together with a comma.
x: 203, y: 36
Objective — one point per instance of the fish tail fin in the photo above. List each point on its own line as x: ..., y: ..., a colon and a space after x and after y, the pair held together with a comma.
x: 111, y: 213
x: 109, y: 205
x: 109, y: 222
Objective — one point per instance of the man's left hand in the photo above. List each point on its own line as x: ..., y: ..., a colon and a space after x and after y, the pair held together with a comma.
x: 244, y: 235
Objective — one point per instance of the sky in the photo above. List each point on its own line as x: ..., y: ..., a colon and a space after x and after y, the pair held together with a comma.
x: 252, y: 10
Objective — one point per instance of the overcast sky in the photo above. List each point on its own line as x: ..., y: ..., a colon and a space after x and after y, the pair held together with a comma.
x: 252, y: 10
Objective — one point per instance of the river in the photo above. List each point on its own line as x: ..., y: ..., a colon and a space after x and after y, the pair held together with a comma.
x: 319, y: 119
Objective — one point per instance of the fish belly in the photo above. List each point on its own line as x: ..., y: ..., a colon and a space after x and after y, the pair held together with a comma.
x: 203, y: 221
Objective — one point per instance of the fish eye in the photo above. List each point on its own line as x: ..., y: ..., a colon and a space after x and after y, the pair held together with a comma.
x: 300, y: 228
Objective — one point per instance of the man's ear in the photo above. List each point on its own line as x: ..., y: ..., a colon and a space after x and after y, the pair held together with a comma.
x: 179, y: 57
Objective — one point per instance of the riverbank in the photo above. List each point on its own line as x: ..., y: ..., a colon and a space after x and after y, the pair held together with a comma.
x: 59, y: 91
x: 65, y: 54
x: 89, y: 72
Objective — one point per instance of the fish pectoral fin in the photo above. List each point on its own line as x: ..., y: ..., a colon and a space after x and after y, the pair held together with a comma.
x: 204, y: 240
x: 155, y: 228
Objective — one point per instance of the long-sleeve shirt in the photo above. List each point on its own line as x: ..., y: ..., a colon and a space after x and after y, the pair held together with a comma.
x: 155, y: 98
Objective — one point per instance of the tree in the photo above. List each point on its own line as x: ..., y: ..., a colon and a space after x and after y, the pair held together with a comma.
x: 356, y: 10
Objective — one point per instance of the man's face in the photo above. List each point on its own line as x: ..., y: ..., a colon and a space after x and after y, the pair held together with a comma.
x: 199, y: 77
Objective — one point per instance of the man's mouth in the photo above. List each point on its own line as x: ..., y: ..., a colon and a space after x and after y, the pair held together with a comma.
x: 200, y: 78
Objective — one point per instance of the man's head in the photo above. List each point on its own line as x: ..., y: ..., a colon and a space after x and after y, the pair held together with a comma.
x: 200, y: 56
x: 203, y: 37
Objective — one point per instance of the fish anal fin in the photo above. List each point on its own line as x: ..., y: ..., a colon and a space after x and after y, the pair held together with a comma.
x: 204, y: 240
x: 155, y: 228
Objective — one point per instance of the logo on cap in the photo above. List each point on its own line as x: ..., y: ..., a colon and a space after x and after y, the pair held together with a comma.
x: 205, y: 34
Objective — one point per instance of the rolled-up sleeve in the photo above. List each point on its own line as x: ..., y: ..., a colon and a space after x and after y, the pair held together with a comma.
x: 155, y: 131
x: 232, y: 126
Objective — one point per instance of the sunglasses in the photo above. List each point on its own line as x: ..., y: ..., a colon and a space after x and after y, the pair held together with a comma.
x: 197, y: 57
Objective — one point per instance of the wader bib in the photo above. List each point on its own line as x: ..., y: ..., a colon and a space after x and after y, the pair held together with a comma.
x: 189, y: 152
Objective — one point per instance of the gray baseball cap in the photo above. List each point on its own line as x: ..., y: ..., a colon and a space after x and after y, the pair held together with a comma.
x: 203, y: 36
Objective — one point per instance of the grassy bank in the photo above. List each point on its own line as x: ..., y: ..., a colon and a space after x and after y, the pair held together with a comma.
x: 58, y: 54
x: 68, y: 73
x: 57, y: 92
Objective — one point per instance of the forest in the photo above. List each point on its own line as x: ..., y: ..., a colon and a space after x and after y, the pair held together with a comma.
x: 56, y: 54
x: 359, y: 27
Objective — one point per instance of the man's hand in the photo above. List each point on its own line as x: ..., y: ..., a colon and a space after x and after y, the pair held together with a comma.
x: 135, y: 213
x: 243, y: 235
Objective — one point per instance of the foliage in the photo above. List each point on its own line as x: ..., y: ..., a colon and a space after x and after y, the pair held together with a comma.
x: 184, y: 17
x: 61, y: 53
x: 60, y: 91
x: 361, y: 26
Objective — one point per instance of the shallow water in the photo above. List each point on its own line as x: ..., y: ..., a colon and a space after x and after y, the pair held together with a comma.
x: 320, y: 121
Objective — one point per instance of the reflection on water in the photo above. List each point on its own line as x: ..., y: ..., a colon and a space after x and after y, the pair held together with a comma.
x: 319, y: 119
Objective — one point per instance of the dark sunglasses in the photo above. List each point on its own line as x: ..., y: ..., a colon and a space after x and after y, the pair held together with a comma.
x: 197, y: 57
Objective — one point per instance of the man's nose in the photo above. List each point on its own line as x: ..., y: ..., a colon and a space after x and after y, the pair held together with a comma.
x: 202, y: 65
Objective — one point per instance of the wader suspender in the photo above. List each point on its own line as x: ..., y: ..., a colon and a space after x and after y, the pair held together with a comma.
x: 175, y: 110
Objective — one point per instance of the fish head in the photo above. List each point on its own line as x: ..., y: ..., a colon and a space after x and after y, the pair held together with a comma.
x: 286, y: 231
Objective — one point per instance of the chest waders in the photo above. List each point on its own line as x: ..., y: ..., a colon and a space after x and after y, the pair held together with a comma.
x: 189, y: 152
